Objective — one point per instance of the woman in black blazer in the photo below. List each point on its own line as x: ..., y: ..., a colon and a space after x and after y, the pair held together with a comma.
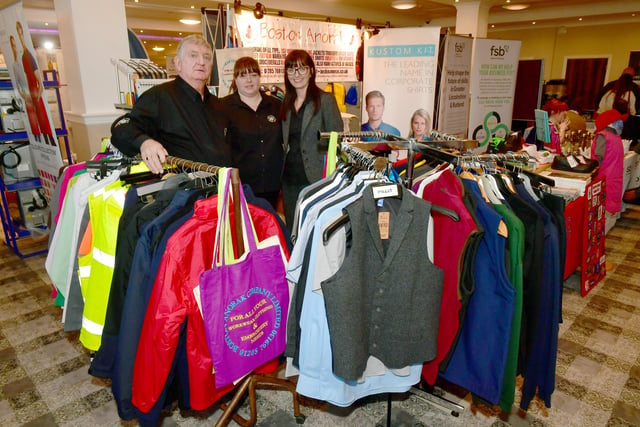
x: 306, y: 110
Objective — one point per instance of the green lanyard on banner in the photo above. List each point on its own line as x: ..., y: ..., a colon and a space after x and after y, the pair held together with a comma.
x: 332, y: 153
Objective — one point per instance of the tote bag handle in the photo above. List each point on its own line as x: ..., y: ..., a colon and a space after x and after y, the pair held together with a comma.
x: 223, y: 247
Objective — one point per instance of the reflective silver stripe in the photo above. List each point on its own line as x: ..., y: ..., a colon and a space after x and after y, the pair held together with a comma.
x: 103, y: 258
x: 91, y: 326
x: 84, y: 271
x: 119, y: 197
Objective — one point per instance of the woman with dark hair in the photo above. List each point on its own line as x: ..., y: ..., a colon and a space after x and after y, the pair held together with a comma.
x: 306, y: 110
x: 254, y: 132
x: 624, y: 90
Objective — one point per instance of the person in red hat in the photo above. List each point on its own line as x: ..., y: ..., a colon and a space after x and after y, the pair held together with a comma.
x: 558, y: 124
x: 608, y: 150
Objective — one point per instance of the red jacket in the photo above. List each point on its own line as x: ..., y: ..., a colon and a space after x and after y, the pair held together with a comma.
x: 189, y: 252
x: 451, y: 240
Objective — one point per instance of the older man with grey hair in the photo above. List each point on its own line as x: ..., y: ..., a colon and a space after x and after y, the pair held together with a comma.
x: 179, y: 118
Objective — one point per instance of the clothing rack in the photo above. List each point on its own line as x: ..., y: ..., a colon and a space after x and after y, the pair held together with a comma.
x: 378, y: 164
x: 251, y: 381
x: 190, y: 165
x: 502, y: 159
x: 363, y: 158
x: 235, y: 190
x: 412, y: 146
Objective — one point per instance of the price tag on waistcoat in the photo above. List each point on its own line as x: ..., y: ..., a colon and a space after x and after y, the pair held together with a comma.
x: 383, y: 224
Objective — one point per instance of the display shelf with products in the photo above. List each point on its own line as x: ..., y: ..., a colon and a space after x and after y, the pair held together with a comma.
x: 24, y: 210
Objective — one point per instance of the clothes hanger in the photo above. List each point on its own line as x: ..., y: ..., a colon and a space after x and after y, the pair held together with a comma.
x: 342, y: 220
x: 491, y: 190
x: 526, y: 181
x: 508, y: 182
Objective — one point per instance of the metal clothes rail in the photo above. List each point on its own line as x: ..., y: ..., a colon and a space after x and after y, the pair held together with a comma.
x: 252, y: 381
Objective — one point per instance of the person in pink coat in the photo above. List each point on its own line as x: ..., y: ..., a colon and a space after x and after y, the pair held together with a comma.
x: 608, y: 150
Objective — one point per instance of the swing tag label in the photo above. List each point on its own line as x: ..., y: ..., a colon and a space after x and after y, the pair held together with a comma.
x: 383, y: 225
x: 572, y: 161
x: 382, y: 191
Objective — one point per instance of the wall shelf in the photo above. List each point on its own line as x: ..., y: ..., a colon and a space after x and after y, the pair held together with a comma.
x: 15, y: 229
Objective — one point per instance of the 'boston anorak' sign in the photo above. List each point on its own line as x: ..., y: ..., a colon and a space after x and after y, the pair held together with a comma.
x: 332, y: 46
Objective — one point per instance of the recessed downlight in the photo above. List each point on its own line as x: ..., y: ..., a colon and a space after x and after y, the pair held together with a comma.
x: 515, y: 6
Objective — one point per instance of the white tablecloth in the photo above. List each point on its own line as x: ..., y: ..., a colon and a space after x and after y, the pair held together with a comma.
x: 631, y: 177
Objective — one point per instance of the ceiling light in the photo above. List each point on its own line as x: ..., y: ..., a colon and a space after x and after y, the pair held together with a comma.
x: 515, y: 6
x: 190, y: 21
x: 403, y: 4
x: 158, y: 48
x: 48, y: 45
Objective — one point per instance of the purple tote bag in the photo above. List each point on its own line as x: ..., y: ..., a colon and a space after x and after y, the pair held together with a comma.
x: 244, y: 303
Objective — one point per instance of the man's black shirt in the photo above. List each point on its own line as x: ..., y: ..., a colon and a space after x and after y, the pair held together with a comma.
x: 175, y: 115
x: 255, y: 138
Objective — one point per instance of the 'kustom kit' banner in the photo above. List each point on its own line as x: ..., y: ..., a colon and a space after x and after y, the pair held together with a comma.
x: 402, y: 64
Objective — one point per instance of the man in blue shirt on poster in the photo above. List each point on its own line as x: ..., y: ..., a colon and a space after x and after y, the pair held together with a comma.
x: 374, y: 104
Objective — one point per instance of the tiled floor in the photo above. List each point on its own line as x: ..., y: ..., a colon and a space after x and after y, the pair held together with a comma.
x: 44, y: 379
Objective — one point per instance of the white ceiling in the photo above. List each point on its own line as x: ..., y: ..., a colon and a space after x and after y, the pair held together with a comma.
x: 159, y: 18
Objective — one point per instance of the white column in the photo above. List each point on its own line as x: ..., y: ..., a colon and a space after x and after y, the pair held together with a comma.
x: 91, y: 33
x: 472, y: 18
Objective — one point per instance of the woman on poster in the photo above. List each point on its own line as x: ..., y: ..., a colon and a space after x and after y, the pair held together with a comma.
x: 36, y: 89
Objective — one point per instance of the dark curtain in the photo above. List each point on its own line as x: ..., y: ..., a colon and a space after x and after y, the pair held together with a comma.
x: 528, y: 89
x: 585, y: 78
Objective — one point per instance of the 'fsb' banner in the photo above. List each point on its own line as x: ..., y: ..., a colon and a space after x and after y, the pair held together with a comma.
x: 332, y: 46
x: 493, y: 85
x: 453, y: 108
x: 29, y: 96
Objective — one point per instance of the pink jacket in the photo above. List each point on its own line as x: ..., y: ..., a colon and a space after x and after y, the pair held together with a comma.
x: 612, y: 168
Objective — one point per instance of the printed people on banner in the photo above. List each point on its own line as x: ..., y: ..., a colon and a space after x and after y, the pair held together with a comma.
x: 36, y: 89
x: 306, y: 111
x: 420, y: 125
x: 23, y: 90
x: 374, y: 104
